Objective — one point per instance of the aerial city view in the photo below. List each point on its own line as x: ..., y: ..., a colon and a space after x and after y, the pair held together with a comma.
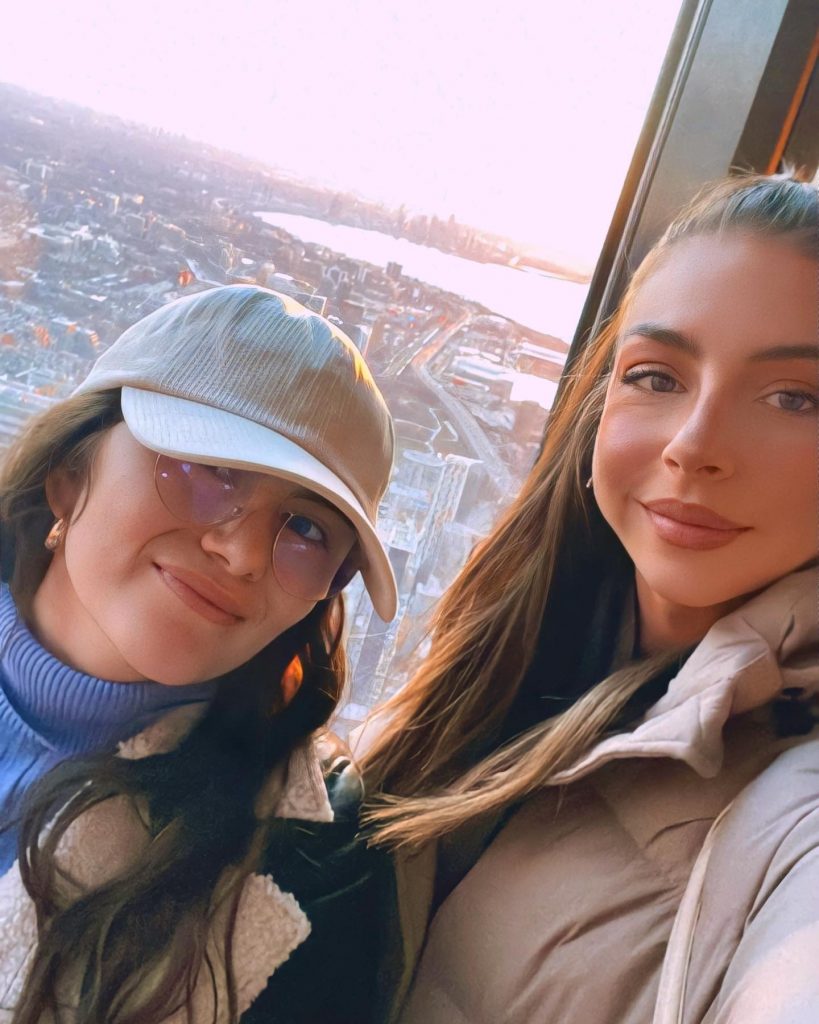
x: 103, y: 221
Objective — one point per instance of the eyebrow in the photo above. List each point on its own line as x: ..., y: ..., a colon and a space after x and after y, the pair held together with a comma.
x: 675, y: 339
x: 787, y: 352
x: 304, y: 492
x: 318, y: 499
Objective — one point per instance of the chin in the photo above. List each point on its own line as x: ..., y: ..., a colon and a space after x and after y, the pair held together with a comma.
x: 169, y: 665
x: 167, y: 652
x: 173, y: 675
x: 697, y: 589
x: 179, y: 678
x: 692, y: 588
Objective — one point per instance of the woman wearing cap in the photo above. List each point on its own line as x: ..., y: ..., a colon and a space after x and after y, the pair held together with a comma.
x: 604, y: 782
x: 175, y: 537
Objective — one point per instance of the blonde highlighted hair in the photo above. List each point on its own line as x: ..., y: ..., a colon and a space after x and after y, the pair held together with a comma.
x: 440, y: 759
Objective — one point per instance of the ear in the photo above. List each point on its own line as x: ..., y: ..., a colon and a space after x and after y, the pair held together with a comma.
x: 595, y: 459
x: 61, y: 493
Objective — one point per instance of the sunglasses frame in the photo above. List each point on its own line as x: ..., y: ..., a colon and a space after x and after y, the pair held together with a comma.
x: 334, y: 589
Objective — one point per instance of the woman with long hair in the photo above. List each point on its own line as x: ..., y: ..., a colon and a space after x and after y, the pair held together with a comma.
x: 175, y: 540
x: 602, y: 787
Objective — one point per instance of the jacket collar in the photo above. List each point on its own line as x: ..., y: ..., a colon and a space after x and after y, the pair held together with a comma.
x: 769, y: 644
x: 304, y: 795
x: 268, y: 924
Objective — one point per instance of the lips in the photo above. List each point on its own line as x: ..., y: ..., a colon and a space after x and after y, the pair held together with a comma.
x: 691, y: 526
x: 691, y: 515
x: 200, y: 594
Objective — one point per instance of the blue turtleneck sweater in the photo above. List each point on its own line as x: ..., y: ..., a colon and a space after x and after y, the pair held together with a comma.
x: 50, y: 712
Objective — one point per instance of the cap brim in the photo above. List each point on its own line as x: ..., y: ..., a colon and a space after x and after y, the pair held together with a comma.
x: 184, y: 429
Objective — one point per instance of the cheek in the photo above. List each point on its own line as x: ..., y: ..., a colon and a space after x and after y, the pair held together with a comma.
x: 624, y: 450
x: 111, y: 529
x: 109, y: 535
x: 785, y: 490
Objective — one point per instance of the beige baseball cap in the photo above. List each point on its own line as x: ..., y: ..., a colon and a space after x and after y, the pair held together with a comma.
x: 245, y: 377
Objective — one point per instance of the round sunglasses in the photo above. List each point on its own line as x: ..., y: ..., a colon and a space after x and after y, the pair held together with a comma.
x: 314, y: 553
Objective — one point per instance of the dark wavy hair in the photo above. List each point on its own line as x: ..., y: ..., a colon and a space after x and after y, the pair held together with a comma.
x: 130, y: 951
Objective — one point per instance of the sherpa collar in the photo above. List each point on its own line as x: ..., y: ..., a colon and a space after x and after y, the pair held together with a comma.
x: 269, y: 923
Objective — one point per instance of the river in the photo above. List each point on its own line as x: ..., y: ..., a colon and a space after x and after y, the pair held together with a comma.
x: 547, y: 304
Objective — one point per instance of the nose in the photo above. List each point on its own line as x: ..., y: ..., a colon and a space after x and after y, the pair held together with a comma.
x: 244, y: 545
x: 700, y: 444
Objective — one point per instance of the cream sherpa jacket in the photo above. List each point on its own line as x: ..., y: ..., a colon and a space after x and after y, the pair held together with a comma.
x: 269, y: 924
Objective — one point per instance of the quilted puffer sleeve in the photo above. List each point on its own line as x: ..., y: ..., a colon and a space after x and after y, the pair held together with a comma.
x: 744, y: 947
x: 773, y: 977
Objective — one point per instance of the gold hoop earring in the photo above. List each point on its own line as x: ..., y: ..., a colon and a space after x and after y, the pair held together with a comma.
x: 55, y: 535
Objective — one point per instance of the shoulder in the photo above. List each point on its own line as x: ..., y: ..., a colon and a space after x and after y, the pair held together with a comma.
x: 772, y: 823
x: 757, y: 937
x: 18, y: 936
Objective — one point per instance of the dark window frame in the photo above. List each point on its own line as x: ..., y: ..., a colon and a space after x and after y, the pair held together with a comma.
x: 719, y: 105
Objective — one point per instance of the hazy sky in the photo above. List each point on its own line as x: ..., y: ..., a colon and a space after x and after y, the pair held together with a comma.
x: 515, y: 115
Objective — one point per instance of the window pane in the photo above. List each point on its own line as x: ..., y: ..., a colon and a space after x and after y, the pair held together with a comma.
x: 438, y: 180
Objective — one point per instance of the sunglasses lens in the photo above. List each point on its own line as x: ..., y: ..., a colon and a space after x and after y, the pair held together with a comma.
x: 312, y: 562
x: 196, y: 493
x: 349, y: 567
x: 314, y: 554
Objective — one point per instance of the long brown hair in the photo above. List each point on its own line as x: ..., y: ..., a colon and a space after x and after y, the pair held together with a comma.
x: 131, y: 950
x: 440, y: 759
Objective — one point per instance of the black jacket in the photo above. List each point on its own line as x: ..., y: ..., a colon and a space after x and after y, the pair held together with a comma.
x: 345, y: 889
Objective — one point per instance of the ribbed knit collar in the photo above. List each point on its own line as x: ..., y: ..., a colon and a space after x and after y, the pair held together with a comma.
x: 70, y: 711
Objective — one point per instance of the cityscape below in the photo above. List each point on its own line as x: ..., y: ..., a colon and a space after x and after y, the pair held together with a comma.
x: 103, y: 221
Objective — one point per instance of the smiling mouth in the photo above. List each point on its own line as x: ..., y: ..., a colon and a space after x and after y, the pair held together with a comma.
x: 692, y: 535
x: 691, y: 514
x: 195, y: 601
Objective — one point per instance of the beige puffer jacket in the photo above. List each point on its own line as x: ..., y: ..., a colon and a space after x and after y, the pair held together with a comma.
x: 613, y: 897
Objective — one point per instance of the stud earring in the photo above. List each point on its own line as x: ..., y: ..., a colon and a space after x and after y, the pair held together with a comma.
x: 590, y: 483
x: 55, y: 535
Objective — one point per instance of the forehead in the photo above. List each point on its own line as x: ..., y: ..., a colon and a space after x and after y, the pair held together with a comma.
x: 732, y: 290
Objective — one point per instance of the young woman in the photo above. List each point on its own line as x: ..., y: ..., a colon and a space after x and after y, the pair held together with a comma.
x: 604, y: 783
x: 175, y: 538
